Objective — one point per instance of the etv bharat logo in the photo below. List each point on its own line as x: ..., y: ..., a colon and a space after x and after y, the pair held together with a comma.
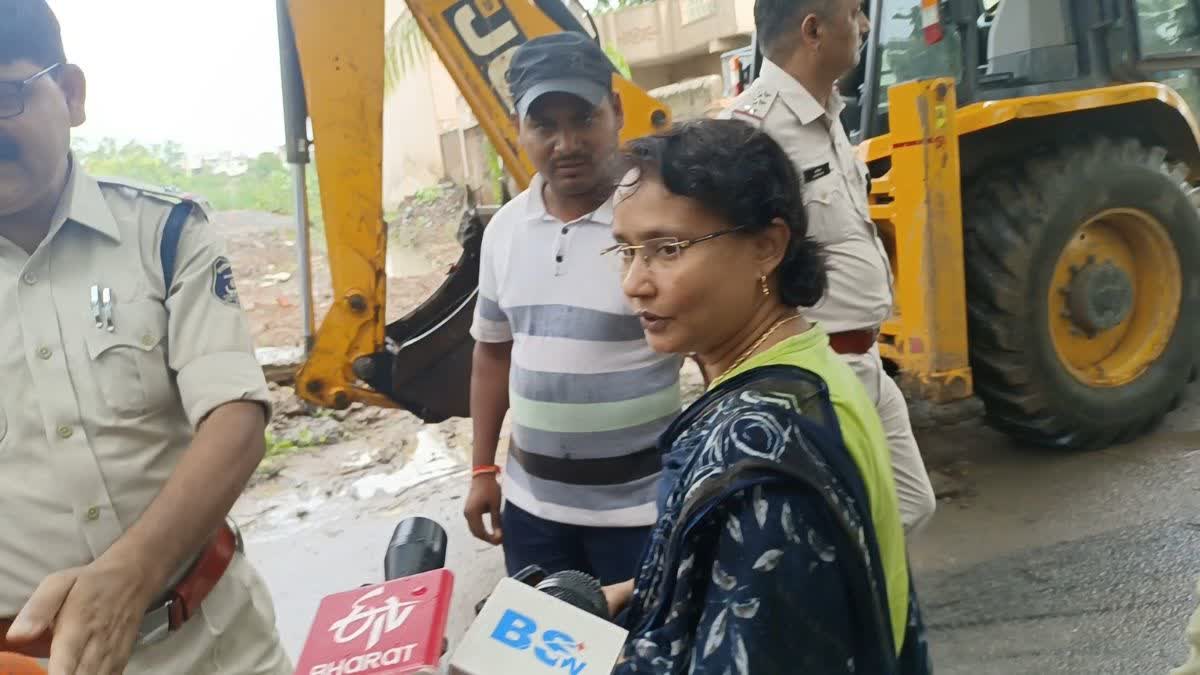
x: 380, y: 619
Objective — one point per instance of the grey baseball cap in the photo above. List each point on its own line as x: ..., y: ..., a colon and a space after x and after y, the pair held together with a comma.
x: 568, y: 62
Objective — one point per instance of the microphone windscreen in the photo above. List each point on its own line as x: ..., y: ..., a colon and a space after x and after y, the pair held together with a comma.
x: 578, y: 590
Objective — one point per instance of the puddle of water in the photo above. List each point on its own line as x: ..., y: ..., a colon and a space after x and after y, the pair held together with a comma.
x: 279, y: 356
x: 431, y: 460
x: 288, y: 513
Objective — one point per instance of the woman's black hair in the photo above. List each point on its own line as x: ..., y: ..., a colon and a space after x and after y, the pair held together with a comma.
x: 30, y: 32
x: 740, y: 174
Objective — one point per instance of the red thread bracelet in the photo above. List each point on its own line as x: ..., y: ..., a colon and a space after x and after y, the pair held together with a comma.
x: 485, y: 469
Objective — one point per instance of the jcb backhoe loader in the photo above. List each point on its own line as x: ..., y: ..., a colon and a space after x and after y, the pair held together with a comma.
x: 1032, y: 165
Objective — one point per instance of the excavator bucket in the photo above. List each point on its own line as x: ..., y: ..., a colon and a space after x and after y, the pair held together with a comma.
x: 426, y: 364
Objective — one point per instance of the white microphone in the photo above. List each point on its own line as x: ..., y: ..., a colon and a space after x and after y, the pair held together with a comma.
x: 559, y: 627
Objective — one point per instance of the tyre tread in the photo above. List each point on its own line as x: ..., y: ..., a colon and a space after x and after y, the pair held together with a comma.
x: 1003, y: 216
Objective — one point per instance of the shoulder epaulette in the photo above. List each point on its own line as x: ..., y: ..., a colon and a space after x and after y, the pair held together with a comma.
x: 754, y: 106
x: 168, y: 194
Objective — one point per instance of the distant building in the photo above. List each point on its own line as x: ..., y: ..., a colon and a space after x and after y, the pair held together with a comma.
x: 226, y: 163
x: 670, y: 41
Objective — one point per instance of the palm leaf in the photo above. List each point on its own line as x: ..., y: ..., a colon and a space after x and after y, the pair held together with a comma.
x: 405, y: 47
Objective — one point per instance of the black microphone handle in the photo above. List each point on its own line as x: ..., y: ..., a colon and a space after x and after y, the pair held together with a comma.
x: 418, y: 545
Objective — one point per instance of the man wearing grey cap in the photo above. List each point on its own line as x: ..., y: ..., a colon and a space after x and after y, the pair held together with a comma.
x: 558, y: 346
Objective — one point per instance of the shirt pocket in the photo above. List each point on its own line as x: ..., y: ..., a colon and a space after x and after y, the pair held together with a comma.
x: 129, y: 363
x: 829, y: 212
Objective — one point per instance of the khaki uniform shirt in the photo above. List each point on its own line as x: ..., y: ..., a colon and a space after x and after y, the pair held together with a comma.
x: 835, y: 185
x: 92, y: 420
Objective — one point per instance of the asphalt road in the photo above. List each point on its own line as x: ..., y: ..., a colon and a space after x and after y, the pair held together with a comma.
x: 1038, y: 563
x: 1065, y: 563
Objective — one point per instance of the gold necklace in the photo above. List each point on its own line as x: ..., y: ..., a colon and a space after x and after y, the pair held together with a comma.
x: 746, y: 354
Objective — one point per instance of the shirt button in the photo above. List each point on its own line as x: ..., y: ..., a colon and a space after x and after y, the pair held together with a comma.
x: 30, y: 278
x: 564, y: 230
x: 93, y: 512
x: 148, y: 340
x: 44, y: 353
x: 65, y: 431
x: 558, y: 258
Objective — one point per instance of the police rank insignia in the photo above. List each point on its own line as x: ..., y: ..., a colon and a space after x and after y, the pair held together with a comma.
x: 757, y: 108
x: 223, y: 285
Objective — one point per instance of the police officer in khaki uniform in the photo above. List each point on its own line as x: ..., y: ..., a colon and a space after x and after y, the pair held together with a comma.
x: 132, y: 411
x: 808, y: 45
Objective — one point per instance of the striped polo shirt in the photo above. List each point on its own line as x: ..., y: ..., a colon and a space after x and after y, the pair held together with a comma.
x: 587, y: 395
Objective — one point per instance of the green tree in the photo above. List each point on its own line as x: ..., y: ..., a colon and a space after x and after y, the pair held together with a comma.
x: 265, y: 185
x: 618, y: 60
x: 404, y: 48
x: 405, y: 45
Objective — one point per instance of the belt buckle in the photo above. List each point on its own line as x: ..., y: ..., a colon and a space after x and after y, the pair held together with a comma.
x: 156, y: 622
x: 155, y: 626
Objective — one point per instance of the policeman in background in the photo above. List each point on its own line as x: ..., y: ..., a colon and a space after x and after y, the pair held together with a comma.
x: 132, y: 411
x: 808, y: 45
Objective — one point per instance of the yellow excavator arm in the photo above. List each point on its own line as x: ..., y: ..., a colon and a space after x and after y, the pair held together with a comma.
x: 333, y: 69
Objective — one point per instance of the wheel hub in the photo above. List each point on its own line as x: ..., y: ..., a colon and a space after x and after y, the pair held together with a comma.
x: 1099, y: 297
x: 1114, y: 297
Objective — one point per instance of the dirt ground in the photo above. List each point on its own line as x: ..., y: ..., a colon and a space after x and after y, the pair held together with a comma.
x: 421, y: 249
x: 303, y: 440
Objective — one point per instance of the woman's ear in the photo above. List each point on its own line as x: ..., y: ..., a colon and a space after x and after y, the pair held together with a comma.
x: 771, y: 246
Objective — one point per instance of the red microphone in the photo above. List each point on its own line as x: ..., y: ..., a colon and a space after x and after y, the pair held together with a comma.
x: 397, y: 627
x: 19, y: 664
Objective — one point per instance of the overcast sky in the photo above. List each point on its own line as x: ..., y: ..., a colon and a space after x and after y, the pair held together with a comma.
x: 204, y: 73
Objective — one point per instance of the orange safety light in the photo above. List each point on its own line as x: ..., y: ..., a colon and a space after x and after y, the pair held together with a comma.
x: 931, y: 21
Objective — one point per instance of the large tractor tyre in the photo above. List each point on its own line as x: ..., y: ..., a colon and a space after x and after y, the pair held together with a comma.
x: 1083, y: 293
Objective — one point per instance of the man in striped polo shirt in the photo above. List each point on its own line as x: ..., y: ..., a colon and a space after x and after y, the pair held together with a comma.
x: 556, y: 342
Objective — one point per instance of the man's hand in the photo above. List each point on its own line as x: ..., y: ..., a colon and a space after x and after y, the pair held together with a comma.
x: 484, y: 498
x: 94, y: 612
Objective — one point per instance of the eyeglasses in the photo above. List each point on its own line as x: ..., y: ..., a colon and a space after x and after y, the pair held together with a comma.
x: 14, y: 93
x: 659, y: 252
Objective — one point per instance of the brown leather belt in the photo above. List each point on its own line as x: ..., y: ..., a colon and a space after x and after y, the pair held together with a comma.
x: 178, y: 605
x: 853, y: 341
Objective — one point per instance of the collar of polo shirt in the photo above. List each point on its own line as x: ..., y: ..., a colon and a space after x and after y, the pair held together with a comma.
x: 536, y: 205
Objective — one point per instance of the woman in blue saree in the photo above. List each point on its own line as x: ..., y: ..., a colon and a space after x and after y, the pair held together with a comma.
x: 779, y: 547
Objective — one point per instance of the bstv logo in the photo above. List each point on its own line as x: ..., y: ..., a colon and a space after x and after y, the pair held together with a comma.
x: 555, y: 648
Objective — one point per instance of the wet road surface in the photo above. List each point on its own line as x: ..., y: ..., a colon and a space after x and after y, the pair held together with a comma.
x: 1065, y: 563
